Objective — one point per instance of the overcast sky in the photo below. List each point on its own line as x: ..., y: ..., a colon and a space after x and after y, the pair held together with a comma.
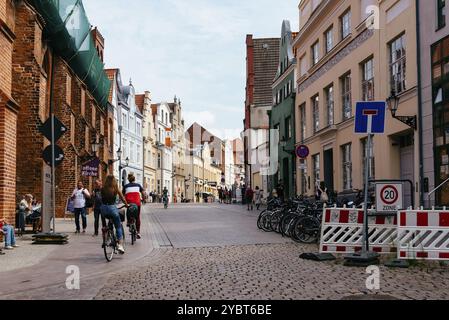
x: 192, y: 48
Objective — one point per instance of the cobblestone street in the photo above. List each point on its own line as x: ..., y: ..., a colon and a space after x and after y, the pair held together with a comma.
x: 230, y: 267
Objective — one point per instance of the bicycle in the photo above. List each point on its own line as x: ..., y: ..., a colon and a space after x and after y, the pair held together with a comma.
x: 110, y: 243
x: 132, y: 223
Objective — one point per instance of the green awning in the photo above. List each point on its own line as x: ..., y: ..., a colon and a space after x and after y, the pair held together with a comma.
x: 69, y: 32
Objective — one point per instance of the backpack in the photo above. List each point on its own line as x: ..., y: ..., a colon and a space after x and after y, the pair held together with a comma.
x: 89, y: 201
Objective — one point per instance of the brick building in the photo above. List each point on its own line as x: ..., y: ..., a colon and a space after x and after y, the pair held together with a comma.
x: 34, y: 56
x: 8, y: 113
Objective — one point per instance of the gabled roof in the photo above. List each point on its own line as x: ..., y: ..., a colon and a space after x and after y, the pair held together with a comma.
x: 266, y: 61
x: 140, y: 102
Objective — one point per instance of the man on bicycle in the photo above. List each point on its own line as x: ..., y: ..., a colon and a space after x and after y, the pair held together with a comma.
x: 133, y: 193
x: 165, y: 196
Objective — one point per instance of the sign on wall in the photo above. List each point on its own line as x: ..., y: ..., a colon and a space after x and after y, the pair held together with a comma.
x: 91, y: 168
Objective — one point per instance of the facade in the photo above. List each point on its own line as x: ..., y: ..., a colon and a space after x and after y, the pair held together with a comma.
x: 150, y: 151
x: 43, y: 76
x: 9, y: 110
x: 432, y: 62
x: 178, y: 150
x: 282, y: 116
x: 129, y: 132
x: 262, y: 64
x: 343, y: 58
x: 163, y: 126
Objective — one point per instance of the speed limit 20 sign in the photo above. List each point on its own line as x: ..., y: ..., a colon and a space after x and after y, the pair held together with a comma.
x: 389, y: 197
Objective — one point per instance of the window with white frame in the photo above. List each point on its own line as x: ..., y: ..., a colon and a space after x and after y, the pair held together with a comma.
x: 303, y: 64
x: 316, y: 113
x: 346, y: 97
x: 347, y: 166
x: 329, y: 96
x: 368, y: 80
x: 370, y: 154
x: 329, y: 38
x: 316, y: 169
x: 398, y: 64
x: 345, y: 24
x: 303, y: 122
x: 315, y: 53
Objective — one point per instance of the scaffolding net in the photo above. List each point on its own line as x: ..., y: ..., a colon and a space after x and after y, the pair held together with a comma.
x: 69, y: 32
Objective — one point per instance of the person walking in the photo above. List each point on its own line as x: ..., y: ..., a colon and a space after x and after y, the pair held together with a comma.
x: 8, y: 231
x: 79, y: 196
x: 250, y: 198
x: 133, y: 193
x: 258, y: 198
x: 109, y: 195
x: 96, y: 194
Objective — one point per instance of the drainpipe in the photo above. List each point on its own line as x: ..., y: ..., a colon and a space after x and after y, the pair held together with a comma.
x: 420, y: 110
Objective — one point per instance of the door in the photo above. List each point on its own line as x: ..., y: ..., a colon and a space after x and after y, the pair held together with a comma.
x: 407, y: 172
x: 286, y: 177
x: 329, y: 169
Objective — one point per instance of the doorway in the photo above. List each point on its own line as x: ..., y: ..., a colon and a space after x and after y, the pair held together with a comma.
x: 286, y: 177
x: 407, y: 155
x: 329, y: 169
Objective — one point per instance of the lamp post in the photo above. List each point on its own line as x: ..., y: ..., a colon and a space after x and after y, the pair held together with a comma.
x: 393, y: 105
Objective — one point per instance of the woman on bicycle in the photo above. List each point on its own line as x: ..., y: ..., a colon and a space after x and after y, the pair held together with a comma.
x: 109, y: 195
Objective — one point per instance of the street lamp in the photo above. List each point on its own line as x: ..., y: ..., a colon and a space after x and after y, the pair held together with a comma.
x: 393, y: 105
x: 95, y: 147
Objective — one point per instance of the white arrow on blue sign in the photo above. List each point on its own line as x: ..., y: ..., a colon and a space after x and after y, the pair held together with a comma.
x: 370, y: 117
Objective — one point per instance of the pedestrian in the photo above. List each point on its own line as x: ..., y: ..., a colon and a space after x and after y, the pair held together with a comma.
x: 250, y: 198
x: 258, y: 198
x: 323, y: 193
x: 96, y: 194
x: 280, y: 191
x: 8, y: 231
x: 25, y: 209
x: 109, y: 194
x: 79, y: 197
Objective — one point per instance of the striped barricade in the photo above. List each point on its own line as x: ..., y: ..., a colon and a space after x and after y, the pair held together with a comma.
x: 342, y: 231
x: 423, y: 235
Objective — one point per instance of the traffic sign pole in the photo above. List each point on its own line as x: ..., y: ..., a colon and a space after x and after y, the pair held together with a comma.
x: 53, y: 180
x: 365, y: 216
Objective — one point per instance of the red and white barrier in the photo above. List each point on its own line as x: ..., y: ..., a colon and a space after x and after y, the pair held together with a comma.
x: 423, y: 235
x: 342, y: 232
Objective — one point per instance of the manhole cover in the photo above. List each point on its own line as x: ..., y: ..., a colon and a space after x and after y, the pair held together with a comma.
x: 380, y: 297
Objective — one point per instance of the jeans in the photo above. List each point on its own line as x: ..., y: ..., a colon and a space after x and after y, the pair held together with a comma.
x: 10, y: 239
x: 97, y: 214
x: 111, y: 213
x: 80, y: 212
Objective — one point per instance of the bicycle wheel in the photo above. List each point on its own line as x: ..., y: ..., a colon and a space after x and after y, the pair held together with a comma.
x: 265, y: 222
x: 275, y: 221
x: 307, y: 230
x: 133, y: 234
x: 109, y: 245
x: 259, y: 221
x: 285, y: 222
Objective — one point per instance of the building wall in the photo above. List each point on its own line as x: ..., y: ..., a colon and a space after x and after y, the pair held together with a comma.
x: 430, y: 35
x: 8, y: 114
x: 347, y: 55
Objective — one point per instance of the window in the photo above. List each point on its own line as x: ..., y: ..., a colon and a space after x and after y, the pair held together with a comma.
x: 139, y: 154
x: 347, y: 166
x: 329, y: 96
x: 398, y: 64
x: 368, y: 80
x: 370, y: 154
x: 329, y: 37
x: 288, y: 128
x: 316, y: 169
x: 125, y: 120
x: 303, y: 121
x: 94, y: 116
x: 132, y: 152
x: 303, y: 166
x: 87, y: 139
x: 158, y: 160
x: 441, y: 14
x: 83, y: 102
x: 72, y: 128
x: 68, y: 84
x: 125, y: 149
x: 316, y: 113
x: 102, y: 123
x: 303, y: 65
x: 132, y: 124
x: 139, y: 128
x: 346, y: 96
x: 315, y: 53
x: 345, y: 24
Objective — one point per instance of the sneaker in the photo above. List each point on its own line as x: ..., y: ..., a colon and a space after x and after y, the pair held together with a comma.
x: 120, y: 249
x: 84, y: 231
x: 77, y: 232
x: 139, y: 236
x: 9, y: 248
x: 16, y: 246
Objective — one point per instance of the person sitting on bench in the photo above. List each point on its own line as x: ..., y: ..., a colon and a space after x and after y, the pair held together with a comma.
x: 8, y: 231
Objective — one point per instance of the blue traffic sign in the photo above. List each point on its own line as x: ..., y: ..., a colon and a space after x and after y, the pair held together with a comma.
x: 370, y: 117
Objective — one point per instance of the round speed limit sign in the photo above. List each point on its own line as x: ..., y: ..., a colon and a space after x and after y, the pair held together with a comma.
x: 389, y: 197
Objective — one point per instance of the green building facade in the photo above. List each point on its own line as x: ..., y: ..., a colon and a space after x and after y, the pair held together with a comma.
x: 282, y: 115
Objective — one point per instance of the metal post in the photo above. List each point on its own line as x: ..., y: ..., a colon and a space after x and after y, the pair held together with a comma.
x: 365, y: 216
x: 53, y: 180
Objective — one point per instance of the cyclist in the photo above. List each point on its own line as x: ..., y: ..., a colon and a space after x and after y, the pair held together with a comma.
x: 134, y: 194
x: 109, y: 194
x: 165, y: 196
